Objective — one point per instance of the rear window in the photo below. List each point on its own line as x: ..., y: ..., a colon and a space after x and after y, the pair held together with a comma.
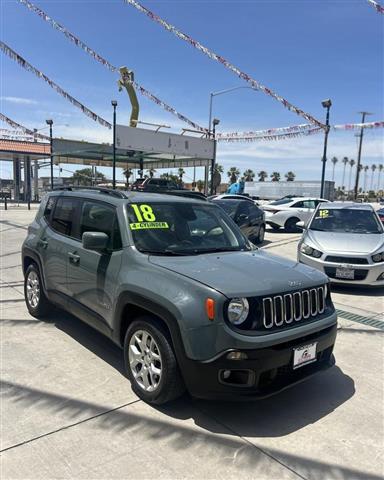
x: 64, y: 215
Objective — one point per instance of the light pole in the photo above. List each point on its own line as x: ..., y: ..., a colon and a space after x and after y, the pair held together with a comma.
x: 326, y: 104
x: 215, y: 122
x: 50, y: 123
x: 114, y: 105
x: 221, y: 92
x: 359, y: 155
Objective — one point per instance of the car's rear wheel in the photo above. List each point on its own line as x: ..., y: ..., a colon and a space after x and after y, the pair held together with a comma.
x: 150, y: 362
x: 37, y: 303
x: 290, y: 225
x: 261, y: 235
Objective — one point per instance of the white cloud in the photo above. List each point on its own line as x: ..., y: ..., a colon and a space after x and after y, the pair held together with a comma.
x: 19, y: 100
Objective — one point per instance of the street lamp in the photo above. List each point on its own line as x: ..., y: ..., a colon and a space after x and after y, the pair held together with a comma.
x: 50, y: 123
x: 114, y: 105
x: 215, y: 122
x: 221, y: 92
x: 326, y: 104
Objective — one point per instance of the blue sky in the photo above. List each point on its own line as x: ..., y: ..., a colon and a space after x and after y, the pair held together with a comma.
x: 306, y: 50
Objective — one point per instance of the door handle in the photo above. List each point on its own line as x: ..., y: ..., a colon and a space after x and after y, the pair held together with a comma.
x: 43, y: 243
x: 73, y: 258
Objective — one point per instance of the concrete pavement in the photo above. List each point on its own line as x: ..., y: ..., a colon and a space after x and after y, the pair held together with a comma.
x: 68, y: 411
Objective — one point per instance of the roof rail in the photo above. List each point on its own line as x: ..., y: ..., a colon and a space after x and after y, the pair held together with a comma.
x: 107, y: 191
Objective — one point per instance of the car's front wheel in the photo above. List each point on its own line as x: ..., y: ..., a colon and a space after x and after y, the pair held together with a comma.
x: 290, y: 225
x: 150, y: 362
x: 37, y: 303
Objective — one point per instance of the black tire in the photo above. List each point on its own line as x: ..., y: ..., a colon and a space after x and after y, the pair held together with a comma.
x: 261, y: 235
x: 290, y: 225
x: 275, y: 227
x: 170, y: 385
x: 42, y: 306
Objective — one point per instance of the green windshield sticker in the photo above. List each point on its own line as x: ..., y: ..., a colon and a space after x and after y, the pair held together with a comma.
x: 148, y: 225
x: 323, y: 214
x: 143, y: 212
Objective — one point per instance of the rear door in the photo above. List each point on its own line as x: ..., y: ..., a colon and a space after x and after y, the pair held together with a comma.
x: 92, y: 275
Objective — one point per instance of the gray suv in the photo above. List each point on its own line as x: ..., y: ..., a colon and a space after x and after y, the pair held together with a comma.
x: 193, y: 304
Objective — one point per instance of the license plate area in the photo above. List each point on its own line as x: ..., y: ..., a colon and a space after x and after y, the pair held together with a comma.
x: 304, y: 355
x: 345, y: 273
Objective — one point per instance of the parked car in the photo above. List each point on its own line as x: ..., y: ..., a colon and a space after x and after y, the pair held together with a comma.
x: 286, y: 212
x: 249, y: 217
x: 346, y: 242
x: 380, y: 213
x: 153, y: 184
x: 176, y: 285
x: 228, y: 196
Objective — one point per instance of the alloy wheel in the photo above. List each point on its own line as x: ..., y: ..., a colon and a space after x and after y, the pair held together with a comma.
x: 33, y: 289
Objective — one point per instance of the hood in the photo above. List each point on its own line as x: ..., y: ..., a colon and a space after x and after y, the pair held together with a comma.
x: 244, y: 274
x: 344, y: 242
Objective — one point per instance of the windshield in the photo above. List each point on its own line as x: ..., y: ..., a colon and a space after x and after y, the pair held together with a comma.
x: 345, y: 221
x: 177, y: 228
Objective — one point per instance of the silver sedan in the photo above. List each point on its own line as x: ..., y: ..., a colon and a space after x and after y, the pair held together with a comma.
x: 346, y: 242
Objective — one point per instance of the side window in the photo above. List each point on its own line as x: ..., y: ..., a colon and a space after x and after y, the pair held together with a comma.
x: 63, y: 216
x: 49, y: 208
x: 97, y: 217
x: 243, y: 209
x: 298, y: 205
x: 309, y: 204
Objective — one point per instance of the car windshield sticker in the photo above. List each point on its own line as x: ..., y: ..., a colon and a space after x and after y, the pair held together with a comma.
x: 145, y: 217
x: 323, y: 214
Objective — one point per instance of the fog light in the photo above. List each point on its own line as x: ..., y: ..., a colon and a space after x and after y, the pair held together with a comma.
x: 237, y: 356
x: 226, y: 373
x: 380, y: 277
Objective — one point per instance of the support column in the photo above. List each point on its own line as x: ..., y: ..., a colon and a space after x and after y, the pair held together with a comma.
x: 27, y: 180
x: 16, y: 179
x: 206, y: 175
x: 35, y: 181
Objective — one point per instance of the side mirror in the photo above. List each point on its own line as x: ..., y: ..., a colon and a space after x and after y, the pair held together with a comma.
x: 95, y: 240
x: 301, y: 225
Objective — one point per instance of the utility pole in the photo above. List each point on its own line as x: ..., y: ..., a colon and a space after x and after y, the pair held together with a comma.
x: 356, y: 189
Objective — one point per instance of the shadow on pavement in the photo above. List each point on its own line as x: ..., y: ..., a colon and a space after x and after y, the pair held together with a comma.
x: 358, y: 290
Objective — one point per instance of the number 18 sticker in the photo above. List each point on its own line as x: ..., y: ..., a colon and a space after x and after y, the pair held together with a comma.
x: 146, y: 219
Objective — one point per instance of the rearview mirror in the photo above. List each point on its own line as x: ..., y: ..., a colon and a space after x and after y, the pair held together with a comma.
x: 301, y: 225
x: 95, y: 240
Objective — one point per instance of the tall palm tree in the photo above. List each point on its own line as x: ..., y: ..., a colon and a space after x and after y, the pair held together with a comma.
x: 373, y: 168
x: 365, y: 168
x: 334, y: 160
x: 345, y: 161
x: 200, y: 185
x: 380, y: 168
x: 290, y: 176
x: 262, y: 175
x: 233, y: 173
x: 127, y: 173
x: 351, y: 164
x: 249, y: 175
x: 275, y: 176
x: 151, y: 172
x: 219, y: 168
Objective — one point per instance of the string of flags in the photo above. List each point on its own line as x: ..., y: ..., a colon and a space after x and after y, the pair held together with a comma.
x: 30, y: 68
x: 23, y: 129
x: 214, y: 56
x: 377, y: 6
x: 354, y: 126
x: 79, y: 43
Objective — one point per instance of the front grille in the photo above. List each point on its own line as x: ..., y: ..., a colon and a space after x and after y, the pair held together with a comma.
x: 293, y: 307
x: 352, y: 260
x: 359, y: 274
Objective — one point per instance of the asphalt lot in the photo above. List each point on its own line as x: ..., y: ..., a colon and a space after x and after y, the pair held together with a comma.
x: 68, y: 412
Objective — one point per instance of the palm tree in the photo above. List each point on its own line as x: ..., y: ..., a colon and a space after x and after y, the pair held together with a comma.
x: 233, y: 174
x: 373, y: 168
x: 351, y: 164
x: 127, y: 173
x: 380, y: 167
x: 366, y: 168
x: 151, y: 172
x: 334, y: 160
x: 290, y: 176
x: 219, y: 168
x: 262, y: 175
x: 200, y: 185
x: 181, y: 172
x: 249, y: 175
x: 275, y: 176
x: 345, y: 161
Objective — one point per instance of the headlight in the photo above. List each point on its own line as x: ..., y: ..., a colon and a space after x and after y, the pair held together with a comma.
x: 312, y: 252
x: 238, y: 310
x: 378, y: 257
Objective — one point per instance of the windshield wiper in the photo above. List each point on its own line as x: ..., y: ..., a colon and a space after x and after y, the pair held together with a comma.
x: 219, y: 249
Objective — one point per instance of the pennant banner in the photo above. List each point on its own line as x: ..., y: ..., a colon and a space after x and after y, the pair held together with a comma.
x: 271, y: 131
x: 25, y: 130
x: 354, y: 126
x: 254, y: 83
x: 27, y: 66
x: 103, y: 61
x: 377, y: 6
x: 281, y: 136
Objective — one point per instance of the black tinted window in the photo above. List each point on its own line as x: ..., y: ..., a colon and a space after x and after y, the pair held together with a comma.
x: 97, y: 217
x: 63, y: 216
x: 49, y: 208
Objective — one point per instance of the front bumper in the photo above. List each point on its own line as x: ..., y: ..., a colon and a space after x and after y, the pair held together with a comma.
x: 365, y: 274
x: 265, y: 372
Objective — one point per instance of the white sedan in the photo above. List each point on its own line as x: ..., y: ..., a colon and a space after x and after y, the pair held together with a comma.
x: 288, y: 211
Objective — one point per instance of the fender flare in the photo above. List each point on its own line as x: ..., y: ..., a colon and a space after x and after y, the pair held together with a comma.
x: 28, y: 252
